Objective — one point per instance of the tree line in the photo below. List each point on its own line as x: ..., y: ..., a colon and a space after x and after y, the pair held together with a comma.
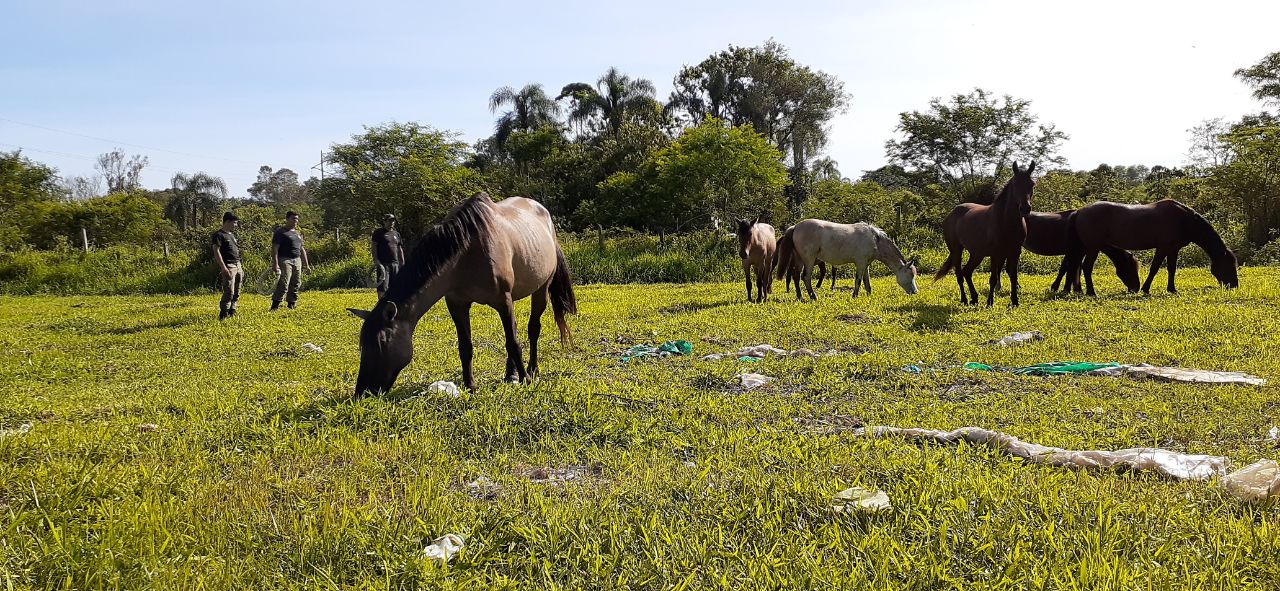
x: 742, y: 134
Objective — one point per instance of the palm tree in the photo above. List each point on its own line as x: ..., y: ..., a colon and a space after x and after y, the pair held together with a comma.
x: 614, y: 95
x: 531, y: 109
x: 197, y: 195
x: 824, y: 168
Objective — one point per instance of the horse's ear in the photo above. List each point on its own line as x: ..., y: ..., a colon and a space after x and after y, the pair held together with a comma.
x: 1015, y: 167
x: 1032, y: 168
x: 756, y: 221
x: 361, y: 314
x: 915, y: 261
x: 389, y: 311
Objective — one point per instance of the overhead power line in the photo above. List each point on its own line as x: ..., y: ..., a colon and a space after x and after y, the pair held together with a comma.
x: 120, y: 143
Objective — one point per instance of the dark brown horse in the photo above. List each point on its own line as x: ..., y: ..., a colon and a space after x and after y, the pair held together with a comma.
x: 484, y: 253
x: 1047, y: 235
x: 997, y: 231
x: 756, y: 246
x: 1165, y: 225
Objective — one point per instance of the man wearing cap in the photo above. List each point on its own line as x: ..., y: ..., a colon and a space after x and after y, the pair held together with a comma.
x: 288, y: 258
x: 226, y: 254
x: 388, y: 252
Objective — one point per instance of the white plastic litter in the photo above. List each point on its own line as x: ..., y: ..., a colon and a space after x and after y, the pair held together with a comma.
x: 312, y: 347
x: 443, y: 548
x: 761, y: 351
x: 449, y: 389
x: 764, y: 350
x: 1273, y: 434
x: 754, y: 380
x: 1254, y: 483
x: 1181, y: 374
x: 858, y: 499
x: 148, y: 427
x: 1019, y: 338
x: 483, y: 488
x: 21, y: 430
x: 1166, y: 463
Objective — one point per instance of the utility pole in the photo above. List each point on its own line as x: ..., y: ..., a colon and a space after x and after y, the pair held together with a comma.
x: 320, y: 166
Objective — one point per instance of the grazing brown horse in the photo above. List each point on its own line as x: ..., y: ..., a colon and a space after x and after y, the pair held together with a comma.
x: 756, y: 246
x: 484, y: 253
x: 997, y: 231
x: 1165, y: 225
x: 1047, y: 235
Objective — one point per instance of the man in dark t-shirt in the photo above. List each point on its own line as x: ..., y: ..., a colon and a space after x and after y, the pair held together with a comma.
x: 289, y: 257
x: 388, y: 252
x: 226, y: 254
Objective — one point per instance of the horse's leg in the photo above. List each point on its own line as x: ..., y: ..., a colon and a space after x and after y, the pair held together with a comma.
x: 866, y: 276
x: 1086, y: 268
x: 974, y: 261
x: 1062, y: 273
x: 538, y: 305
x: 460, y: 312
x: 964, y: 297
x: 746, y: 270
x: 997, y: 266
x: 763, y: 287
x: 857, y: 280
x: 1156, y: 261
x: 808, y: 282
x: 1012, y: 268
x: 1172, y: 262
x: 506, y: 312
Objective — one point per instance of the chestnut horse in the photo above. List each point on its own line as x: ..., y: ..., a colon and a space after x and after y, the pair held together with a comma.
x: 756, y: 246
x: 1165, y: 225
x: 997, y: 231
x: 485, y: 253
x: 1047, y: 236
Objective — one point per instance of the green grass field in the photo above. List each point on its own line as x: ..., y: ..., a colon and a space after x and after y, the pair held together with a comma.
x: 265, y: 472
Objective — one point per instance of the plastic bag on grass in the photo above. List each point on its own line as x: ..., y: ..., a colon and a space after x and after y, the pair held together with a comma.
x: 858, y: 499
x: 443, y: 548
x: 1254, y: 483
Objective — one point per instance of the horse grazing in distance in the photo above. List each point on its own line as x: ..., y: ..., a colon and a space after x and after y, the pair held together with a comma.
x: 484, y: 253
x: 1047, y: 236
x: 1165, y: 225
x: 756, y: 247
x: 997, y: 231
x: 811, y: 240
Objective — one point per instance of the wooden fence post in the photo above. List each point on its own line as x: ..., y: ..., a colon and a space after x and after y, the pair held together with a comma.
x: 84, y: 238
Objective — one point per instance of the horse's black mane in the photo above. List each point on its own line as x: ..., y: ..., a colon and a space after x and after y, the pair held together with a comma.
x: 1205, y: 236
x: 442, y: 246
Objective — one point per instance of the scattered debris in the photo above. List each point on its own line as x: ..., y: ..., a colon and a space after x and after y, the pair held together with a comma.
x: 912, y: 368
x: 1018, y: 338
x: 449, y: 389
x: 758, y: 352
x: 1180, y: 374
x: 148, y: 428
x: 1166, y: 463
x: 443, y: 548
x: 754, y: 380
x: 1254, y: 483
x: 484, y: 489
x: 312, y: 348
x: 46, y: 415
x: 22, y: 429
x: 548, y: 475
x: 1273, y: 434
x: 858, y: 499
x: 666, y: 349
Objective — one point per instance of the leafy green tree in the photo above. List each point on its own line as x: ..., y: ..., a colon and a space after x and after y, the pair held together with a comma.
x: 973, y: 138
x: 22, y: 180
x: 279, y: 187
x: 762, y: 86
x: 713, y: 171
x: 1251, y: 180
x: 531, y: 109
x: 1264, y: 78
x: 195, y: 199
x: 409, y: 169
x: 606, y: 106
x: 119, y: 218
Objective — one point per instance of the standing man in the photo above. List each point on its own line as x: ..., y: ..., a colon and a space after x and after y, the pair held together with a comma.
x: 288, y: 257
x: 226, y: 253
x: 388, y: 252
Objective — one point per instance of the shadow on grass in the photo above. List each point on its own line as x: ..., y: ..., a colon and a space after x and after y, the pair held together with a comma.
x: 929, y: 317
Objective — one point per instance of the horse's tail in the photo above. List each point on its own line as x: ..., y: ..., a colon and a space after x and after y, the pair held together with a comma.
x: 786, y: 249
x: 563, y: 301
x: 954, y: 248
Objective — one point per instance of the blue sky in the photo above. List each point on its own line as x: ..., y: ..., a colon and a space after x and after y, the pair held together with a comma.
x: 226, y: 87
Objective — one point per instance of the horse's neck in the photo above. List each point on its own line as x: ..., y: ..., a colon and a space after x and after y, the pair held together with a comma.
x: 887, y: 252
x: 1203, y: 235
x: 416, y: 304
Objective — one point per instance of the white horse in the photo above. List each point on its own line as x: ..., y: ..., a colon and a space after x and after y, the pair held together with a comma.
x: 841, y: 244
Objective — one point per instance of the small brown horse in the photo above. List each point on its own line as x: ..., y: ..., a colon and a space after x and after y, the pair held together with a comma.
x: 1165, y: 225
x: 485, y: 253
x: 997, y: 231
x: 1047, y: 236
x: 756, y: 247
